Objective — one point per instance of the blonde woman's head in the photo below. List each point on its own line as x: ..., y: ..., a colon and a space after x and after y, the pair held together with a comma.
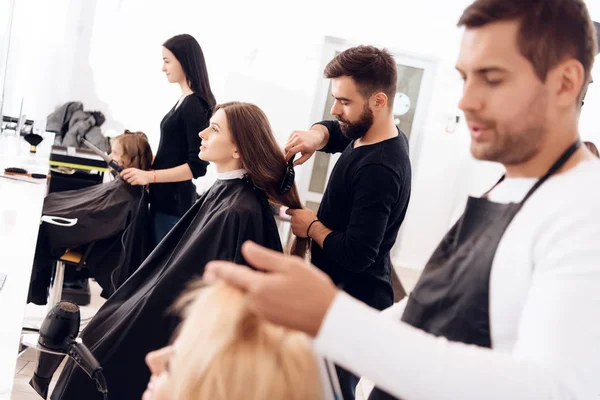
x: 226, y: 352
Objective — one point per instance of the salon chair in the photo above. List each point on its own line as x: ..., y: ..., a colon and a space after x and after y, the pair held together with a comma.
x: 75, y: 259
x: 72, y: 258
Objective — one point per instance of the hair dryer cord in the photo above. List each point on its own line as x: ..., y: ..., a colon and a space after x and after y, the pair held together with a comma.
x: 101, y: 384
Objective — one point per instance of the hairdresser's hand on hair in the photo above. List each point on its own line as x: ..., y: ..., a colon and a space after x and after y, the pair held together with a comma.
x: 135, y: 176
x: 306, y: 143
x: 301, y: 219
x: 291, y: 293
x: 306, y: 224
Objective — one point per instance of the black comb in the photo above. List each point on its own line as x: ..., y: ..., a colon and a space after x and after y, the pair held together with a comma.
x: 288, y: 178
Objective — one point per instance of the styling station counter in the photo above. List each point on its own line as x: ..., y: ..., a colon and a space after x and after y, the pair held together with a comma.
x: 20, y: 210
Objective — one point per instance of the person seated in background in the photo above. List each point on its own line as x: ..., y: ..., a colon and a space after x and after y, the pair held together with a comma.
x: 592, y: 147
x: 251, y: 170
x: 112, y: 215
x: 224, y: 351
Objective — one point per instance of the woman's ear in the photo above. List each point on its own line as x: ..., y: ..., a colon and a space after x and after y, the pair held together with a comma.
x: 236, y: 154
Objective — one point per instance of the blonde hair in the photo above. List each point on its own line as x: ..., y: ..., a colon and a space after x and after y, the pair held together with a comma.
x: 224, y: 351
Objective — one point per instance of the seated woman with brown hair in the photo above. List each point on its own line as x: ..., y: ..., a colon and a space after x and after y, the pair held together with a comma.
x: 110, y: 215
x: 224, y: 351
x: 251, y: 171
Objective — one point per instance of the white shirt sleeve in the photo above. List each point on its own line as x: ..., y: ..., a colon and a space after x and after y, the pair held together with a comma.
x: 396, y: 310
x: 556, y: 356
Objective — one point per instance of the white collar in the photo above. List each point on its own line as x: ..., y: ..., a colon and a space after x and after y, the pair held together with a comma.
x: 237, y: 174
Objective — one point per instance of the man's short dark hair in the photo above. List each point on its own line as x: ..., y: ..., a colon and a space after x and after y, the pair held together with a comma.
x: 372, y: 69
x: 550, y: 30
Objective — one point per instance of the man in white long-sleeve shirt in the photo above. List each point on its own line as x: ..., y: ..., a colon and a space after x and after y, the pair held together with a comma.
x: 508, y: 305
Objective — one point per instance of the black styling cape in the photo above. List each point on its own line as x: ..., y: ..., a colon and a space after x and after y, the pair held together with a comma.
x: 137, y: 318
x: 114, y: 215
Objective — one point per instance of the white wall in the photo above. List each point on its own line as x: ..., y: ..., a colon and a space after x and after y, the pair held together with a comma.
x: 267, y: 52
x: 6, y: 9
x: 42, y: 56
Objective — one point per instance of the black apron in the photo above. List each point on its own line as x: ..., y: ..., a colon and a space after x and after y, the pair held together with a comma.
x: 451, y: 299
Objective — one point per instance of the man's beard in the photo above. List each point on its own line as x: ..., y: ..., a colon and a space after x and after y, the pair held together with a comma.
x: 358, y: 129
x: 517, y: 143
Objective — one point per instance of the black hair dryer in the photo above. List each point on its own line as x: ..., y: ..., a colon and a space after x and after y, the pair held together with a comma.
x: 58, y: 337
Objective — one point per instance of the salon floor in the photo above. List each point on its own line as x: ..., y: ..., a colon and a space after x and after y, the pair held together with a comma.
x: 26, y: 363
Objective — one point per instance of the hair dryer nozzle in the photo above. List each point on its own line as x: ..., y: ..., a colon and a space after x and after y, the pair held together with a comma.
x: 47, y: 365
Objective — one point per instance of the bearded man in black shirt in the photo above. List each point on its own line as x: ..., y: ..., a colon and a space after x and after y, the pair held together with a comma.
x: 368, y: 192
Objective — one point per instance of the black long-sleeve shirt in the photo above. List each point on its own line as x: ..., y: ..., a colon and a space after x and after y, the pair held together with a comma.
x: 180, y: 144
x: 364, y: 204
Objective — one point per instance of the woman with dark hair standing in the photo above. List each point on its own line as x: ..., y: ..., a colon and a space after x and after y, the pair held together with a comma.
x: 172, y: 192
